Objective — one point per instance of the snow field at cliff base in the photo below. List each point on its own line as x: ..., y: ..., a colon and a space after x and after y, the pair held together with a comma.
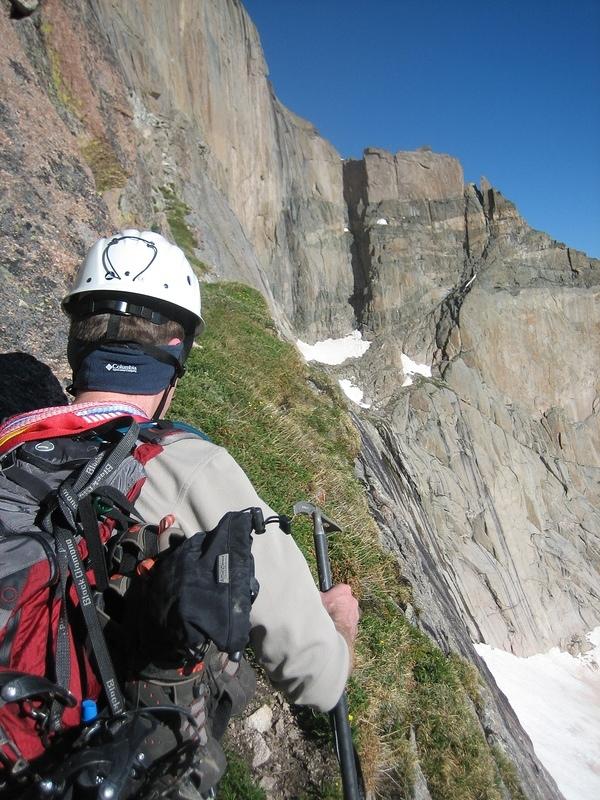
x: 336, y: 351
x: 555, y: 695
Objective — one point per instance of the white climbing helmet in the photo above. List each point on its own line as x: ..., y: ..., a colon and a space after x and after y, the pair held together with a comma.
x: 137, y: 273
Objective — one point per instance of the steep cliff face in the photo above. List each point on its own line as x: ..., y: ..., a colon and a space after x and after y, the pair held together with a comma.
x: 48, y: 205
x: 95, y: 86
x: 502, y: 444
x: 161, y: 114
x: 282, y: 181
x: 407, y: 214
x: 408, y: 530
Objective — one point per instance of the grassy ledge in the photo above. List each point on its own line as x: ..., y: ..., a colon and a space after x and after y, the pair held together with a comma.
x: 106, y: 169
x: 288, y: 427
x: 97, y: 152
x: 176, y: 211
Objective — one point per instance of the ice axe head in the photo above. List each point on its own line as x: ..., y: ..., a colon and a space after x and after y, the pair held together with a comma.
x: 303, y: 507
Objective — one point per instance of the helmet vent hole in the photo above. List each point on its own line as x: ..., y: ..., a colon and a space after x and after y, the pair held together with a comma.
x: 128, y: 273
x: 88, y: 280
x: 189, y: 280
x: 166, y: 285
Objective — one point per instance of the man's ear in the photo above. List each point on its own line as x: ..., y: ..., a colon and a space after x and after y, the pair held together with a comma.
x: 175, y: 340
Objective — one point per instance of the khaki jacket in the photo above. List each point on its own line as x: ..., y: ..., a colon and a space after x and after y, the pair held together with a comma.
x: 292, y: 635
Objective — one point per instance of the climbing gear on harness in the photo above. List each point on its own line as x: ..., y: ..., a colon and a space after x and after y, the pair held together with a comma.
x: 352, y: 782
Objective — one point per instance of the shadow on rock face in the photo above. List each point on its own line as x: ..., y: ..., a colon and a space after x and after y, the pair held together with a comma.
x: 27, y: 384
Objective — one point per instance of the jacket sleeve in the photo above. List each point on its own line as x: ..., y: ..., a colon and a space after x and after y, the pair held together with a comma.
x: 292, y: 634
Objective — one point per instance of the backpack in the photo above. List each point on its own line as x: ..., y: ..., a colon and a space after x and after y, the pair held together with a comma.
x: 120, y: 658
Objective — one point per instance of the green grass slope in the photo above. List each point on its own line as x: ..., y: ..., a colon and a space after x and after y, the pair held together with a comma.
x: 287, y: 425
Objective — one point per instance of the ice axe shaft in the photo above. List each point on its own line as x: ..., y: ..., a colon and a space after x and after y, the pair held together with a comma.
x: 347, y: 755
x: 322, y: 525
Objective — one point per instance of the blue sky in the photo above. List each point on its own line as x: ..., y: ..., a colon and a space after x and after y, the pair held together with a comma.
x: 510, y: 88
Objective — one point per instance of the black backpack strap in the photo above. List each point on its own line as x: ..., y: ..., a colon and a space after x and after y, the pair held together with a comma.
x: 165, y: 431
x: 96, y: 553
x: 121, y: 509
x: 74, y: 500
x: 62, y: 657
x: 66, y: 543
x: 123, y: 512
x: 100, y: 468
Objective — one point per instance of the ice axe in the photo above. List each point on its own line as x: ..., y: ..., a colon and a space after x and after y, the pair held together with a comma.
x: 352, y: 783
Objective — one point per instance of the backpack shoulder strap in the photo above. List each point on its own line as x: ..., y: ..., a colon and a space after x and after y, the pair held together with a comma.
x: 166, y: 432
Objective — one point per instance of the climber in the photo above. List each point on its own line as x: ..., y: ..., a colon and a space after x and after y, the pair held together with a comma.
x: 134, y: 311
x: 137, y: 287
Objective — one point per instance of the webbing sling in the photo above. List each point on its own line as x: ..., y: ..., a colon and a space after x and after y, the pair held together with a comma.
x: 121, y: 511
x: 62, y: 657
x: 94, y: 475
x: 96, y: 553
x: 69, y: 498
x: 66, y: 543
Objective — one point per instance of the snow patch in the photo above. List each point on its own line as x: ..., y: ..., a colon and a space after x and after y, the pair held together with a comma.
x: 346, y: 229
x: 556, y: 697
x: 382, y: 221
x: 470, y: 281
x: 353, y: 392
x: 334, y: 351
x: 410, y: 368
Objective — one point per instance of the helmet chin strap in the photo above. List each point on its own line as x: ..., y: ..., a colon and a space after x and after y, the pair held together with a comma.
x: 163, y: 400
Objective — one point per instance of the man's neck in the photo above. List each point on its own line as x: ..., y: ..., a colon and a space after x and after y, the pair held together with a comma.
x: 148, y: 403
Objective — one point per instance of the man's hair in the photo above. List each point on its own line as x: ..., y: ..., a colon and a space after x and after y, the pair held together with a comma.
x: 135, y: 329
